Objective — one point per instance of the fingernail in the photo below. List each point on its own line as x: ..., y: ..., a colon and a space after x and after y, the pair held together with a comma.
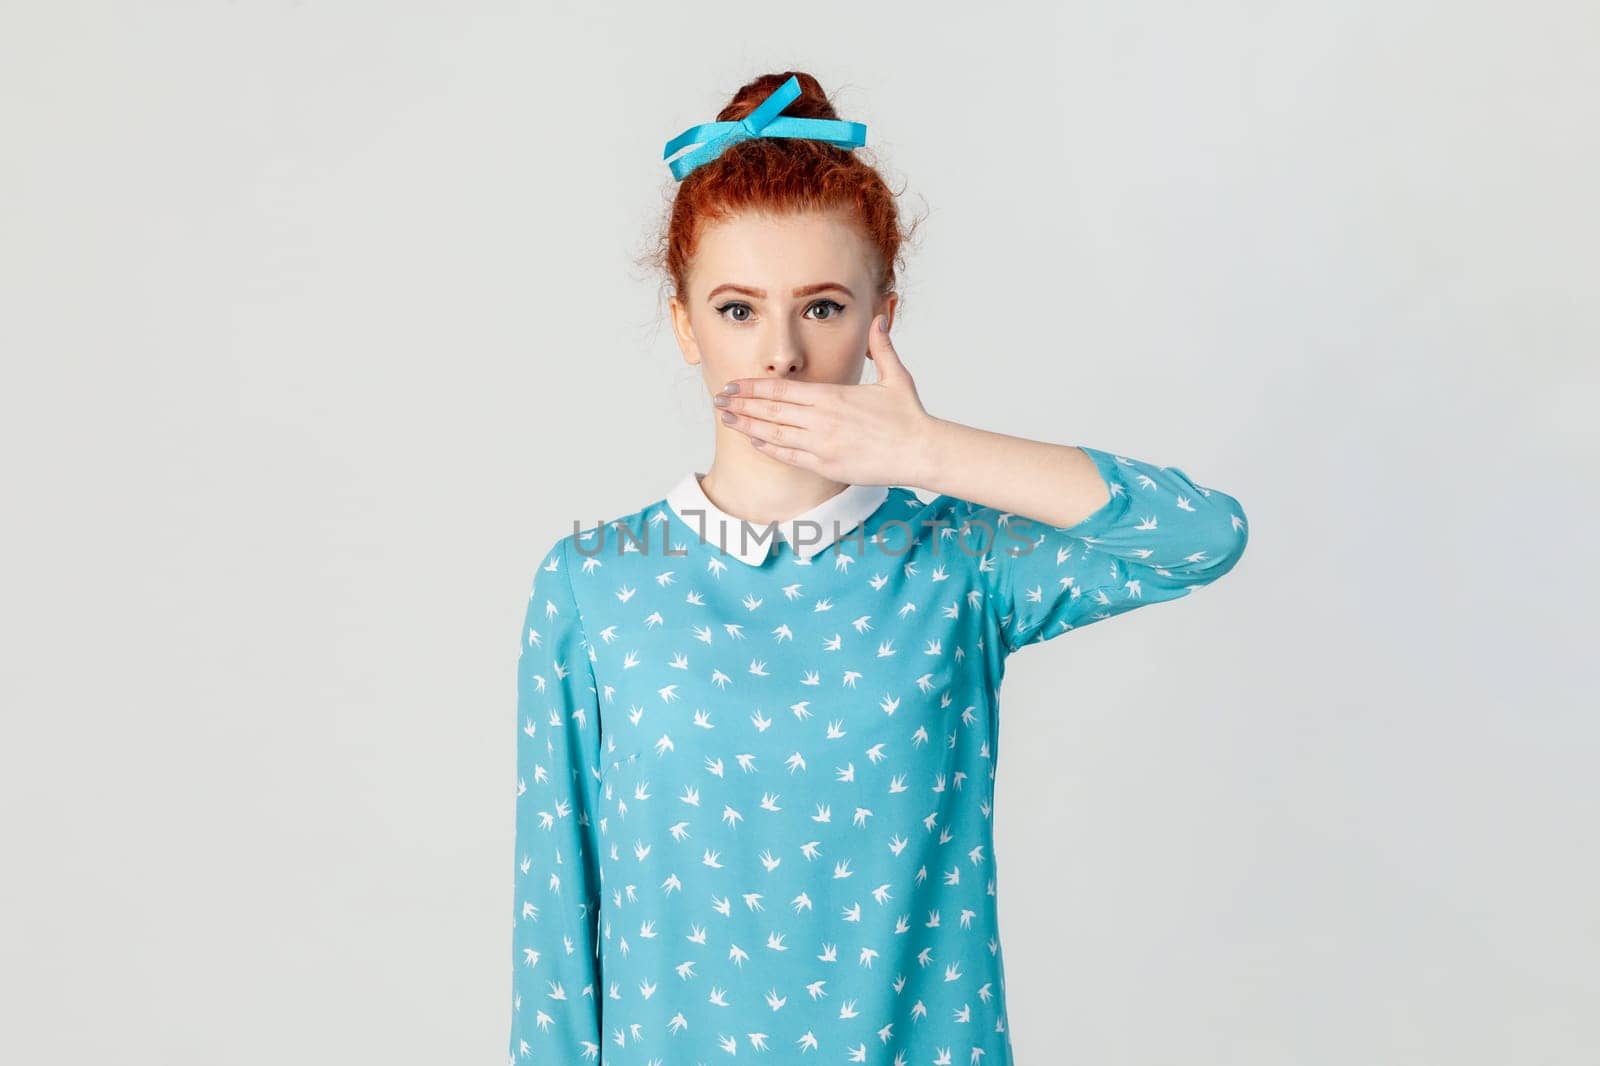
x: 727, y: 416
x: 720, y: 400
x: 732, y: 386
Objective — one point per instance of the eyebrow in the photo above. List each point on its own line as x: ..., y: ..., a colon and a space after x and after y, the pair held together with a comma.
x: 761, y: 294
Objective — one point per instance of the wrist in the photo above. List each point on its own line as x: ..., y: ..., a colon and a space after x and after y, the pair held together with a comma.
x: 932, y: 453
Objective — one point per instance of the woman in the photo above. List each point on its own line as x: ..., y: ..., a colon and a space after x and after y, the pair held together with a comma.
x: 757, y: 717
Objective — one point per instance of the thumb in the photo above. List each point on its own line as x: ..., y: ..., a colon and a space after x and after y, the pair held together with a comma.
x: 881, y: 350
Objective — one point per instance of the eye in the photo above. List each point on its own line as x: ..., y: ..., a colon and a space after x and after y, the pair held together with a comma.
x: 729, y: 310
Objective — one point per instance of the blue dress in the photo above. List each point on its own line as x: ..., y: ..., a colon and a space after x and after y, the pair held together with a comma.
x: 755, y: 778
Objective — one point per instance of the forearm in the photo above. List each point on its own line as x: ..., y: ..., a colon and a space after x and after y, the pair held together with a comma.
x: 1052, y: 483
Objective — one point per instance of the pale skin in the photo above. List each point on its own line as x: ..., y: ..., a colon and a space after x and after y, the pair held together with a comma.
x: 781, y: 315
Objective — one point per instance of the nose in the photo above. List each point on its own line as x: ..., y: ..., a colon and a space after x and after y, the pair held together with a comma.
x: 787, y: 355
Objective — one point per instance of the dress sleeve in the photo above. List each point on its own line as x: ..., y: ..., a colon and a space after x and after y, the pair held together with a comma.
x: 1158, y: 536
x: 556, y: 993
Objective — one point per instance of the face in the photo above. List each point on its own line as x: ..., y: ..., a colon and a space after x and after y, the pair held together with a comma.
x: 779, y: 297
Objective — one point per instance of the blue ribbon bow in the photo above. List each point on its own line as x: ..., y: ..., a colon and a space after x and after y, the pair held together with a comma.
x: 765, y: 121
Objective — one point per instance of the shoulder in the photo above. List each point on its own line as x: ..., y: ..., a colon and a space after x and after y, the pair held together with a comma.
x: 581, y: 536
x: 905, y: 503
x: 932, y: 514
x: 572, y: 559
x: 935, y: 521
x: 632, y: 527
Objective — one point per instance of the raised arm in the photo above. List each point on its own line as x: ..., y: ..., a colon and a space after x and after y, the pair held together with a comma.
x: 556, y: 998
x: 1077, y: 535
x: 1098, y: 534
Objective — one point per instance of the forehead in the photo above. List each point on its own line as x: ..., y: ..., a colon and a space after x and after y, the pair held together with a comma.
x: 778, y: 252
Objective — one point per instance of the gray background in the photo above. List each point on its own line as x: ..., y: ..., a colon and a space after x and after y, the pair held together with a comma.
x: 297, y: 296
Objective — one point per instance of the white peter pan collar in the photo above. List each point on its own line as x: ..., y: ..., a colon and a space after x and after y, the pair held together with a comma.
x: 832, y: 518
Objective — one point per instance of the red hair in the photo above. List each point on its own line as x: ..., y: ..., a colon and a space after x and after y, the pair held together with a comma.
x: 782, y: 176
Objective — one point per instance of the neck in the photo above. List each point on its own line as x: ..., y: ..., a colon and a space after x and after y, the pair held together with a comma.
x: 755, y: 487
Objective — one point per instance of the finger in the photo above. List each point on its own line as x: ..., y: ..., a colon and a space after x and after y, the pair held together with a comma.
x: 792, y: 456
x: 884, y: 357
x: 786, y: 389
x: 781, y: 412
x: 774, y: 434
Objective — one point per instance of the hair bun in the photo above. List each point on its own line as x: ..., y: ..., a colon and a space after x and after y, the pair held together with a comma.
x: 811, y: 103
x: 780, y: 176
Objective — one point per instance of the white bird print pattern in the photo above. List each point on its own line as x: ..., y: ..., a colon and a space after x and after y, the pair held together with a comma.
x: 755, y: 787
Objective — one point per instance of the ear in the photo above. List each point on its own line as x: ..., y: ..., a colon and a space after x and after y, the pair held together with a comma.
x: 684, y: 333
x: 887, y: 306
